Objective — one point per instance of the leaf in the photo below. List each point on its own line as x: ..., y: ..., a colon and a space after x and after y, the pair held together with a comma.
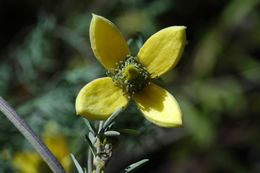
x: 111, y: 133
x: 111, y: 125
x: 76, y: 163
x: 100, y: 127
x: 134, y: 166
x: 111, y: 118
x: 92, y: 137
x: 90, y: 126
x: 91, y: 145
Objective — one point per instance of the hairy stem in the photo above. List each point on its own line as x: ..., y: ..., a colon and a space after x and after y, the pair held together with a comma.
x: 29, y: 134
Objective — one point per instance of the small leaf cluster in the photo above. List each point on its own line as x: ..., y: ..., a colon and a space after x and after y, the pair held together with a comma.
x: 98, y: 140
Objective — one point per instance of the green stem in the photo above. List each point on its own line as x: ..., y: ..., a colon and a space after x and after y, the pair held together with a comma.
x: 29, y: 134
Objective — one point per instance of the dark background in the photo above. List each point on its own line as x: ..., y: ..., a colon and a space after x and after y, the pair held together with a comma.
x: 45, y: 58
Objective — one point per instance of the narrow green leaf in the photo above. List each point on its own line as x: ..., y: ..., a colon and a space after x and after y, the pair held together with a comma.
x: 100, y: 127
x: 90, y: 126
x: 92, y: 137
x: 111, y: 133
x: 112, y: 118
x: 134, y: 166
x: 91, y: 145
x: 111, y: 125
x: 76, y: 163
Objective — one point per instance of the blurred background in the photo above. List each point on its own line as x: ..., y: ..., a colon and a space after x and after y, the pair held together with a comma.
x: 45, y: 59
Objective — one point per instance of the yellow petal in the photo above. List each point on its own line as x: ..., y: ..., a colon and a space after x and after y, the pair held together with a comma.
x: 108, y: 44
x: 162, y: 51
x: 59, y: 147
x: 159, y: 106
x: 27, y: 162
x: 99, y: 99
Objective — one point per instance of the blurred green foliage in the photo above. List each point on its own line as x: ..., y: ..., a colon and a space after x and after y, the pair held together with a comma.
x: 45, y: 58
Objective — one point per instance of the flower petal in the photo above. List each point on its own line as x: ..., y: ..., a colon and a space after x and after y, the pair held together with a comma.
x: 108, y: 44
x: 27, y: 162
x: 99, y: 99
x: 59, y: 147
x: 162, y: 51
x: 159, y: 106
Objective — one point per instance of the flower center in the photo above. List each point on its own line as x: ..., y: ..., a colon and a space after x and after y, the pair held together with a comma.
x: 131, y: 72
x: 130, y: 75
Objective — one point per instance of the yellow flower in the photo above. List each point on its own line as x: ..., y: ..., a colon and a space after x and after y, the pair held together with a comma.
x: 131, y: 76
x: 31, y: 161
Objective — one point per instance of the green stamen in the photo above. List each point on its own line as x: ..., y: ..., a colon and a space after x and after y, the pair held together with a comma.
x: 130, y: 75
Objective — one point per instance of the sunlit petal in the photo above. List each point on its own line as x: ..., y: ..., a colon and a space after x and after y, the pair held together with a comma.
x: 159, y: 106
x: 107, y: 42
x: 99, y: 99
x: 162, y: 51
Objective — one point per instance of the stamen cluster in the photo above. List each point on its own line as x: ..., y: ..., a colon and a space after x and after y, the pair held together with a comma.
x: 130, y: 75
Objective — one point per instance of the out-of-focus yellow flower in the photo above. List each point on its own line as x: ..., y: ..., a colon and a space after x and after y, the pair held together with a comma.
x: 131, y: 76
x: 31, y: 162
